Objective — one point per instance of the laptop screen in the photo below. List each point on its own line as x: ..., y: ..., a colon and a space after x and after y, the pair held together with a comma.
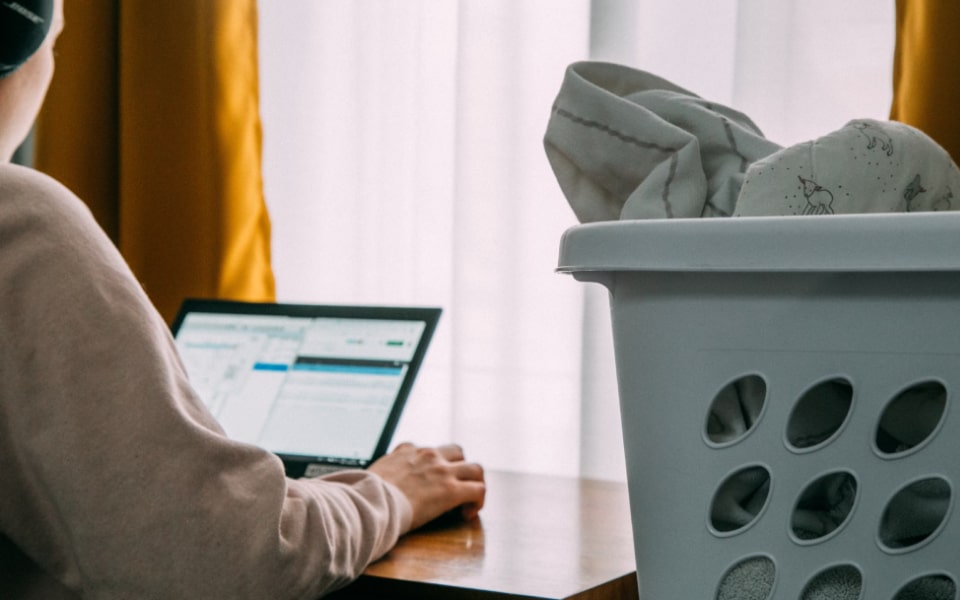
x: 316, y: 385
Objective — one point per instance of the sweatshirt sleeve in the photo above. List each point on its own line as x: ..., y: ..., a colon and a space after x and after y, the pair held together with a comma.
x: 116, y: 479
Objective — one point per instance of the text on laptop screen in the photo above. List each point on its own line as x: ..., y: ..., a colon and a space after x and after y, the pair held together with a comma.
x: 320, y: 387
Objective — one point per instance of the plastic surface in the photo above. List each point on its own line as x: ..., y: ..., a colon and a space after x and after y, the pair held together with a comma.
x: 877, y: 242
x: 870, y: 301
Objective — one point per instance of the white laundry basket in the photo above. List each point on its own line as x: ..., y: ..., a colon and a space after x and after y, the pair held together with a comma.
x: 701, y: 309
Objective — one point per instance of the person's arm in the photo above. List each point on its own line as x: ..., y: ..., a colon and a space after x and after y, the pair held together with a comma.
x: 125, y: 486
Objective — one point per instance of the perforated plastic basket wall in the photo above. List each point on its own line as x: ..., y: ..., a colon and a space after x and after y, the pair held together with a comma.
x: 835, y: 325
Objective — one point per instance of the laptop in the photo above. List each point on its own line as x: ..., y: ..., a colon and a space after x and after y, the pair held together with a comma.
x: 320, y: 386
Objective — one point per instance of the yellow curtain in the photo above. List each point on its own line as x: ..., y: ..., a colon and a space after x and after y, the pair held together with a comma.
x: 926, y: 75
x: 153, y: 119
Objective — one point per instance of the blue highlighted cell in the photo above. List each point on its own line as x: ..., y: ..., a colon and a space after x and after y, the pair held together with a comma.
x: 270, y: 367
x: 353, y: 369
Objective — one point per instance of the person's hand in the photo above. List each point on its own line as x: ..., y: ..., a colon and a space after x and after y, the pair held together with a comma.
x: 435, y: 480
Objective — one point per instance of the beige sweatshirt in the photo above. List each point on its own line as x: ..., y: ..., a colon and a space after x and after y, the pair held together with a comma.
x: 115, y: 481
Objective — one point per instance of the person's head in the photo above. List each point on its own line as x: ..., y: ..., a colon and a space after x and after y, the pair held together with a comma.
x: 28, y: 31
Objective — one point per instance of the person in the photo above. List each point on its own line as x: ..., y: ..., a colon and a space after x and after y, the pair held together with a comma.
x: 115, y: 481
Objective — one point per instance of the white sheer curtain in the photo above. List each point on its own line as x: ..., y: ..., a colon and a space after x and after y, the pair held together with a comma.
x: 403, y: 164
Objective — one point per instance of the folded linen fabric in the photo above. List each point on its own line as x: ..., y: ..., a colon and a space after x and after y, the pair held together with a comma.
x: 628, y: 144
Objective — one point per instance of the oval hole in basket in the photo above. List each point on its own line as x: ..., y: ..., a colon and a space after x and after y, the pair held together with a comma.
x: 911, y: 418
x: 750, y: 579
x: 840, y: 581
x: 824, y: 506
x: 740, y: 499
x: 929, y: 587
x: 819, y: 413
x: 736, y: 409
x: 915, y: 513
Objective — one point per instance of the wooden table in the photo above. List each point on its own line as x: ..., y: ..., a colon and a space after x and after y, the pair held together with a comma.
x: 537, y: 537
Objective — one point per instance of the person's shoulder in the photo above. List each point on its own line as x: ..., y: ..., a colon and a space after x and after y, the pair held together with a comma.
x: 39, y: 214
x: 25, y: 191
x: 17, y: 181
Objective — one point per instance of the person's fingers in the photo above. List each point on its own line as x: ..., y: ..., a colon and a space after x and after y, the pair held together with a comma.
x: 404, y: 447
x: 468, y: 471
x: 451, y: 452
x: 471, y: 496
x: 434, y: 479
x: 470, y: 512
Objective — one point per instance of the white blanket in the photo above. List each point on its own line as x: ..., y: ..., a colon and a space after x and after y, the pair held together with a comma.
x: 866, y: 166
x: 626, y: 144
